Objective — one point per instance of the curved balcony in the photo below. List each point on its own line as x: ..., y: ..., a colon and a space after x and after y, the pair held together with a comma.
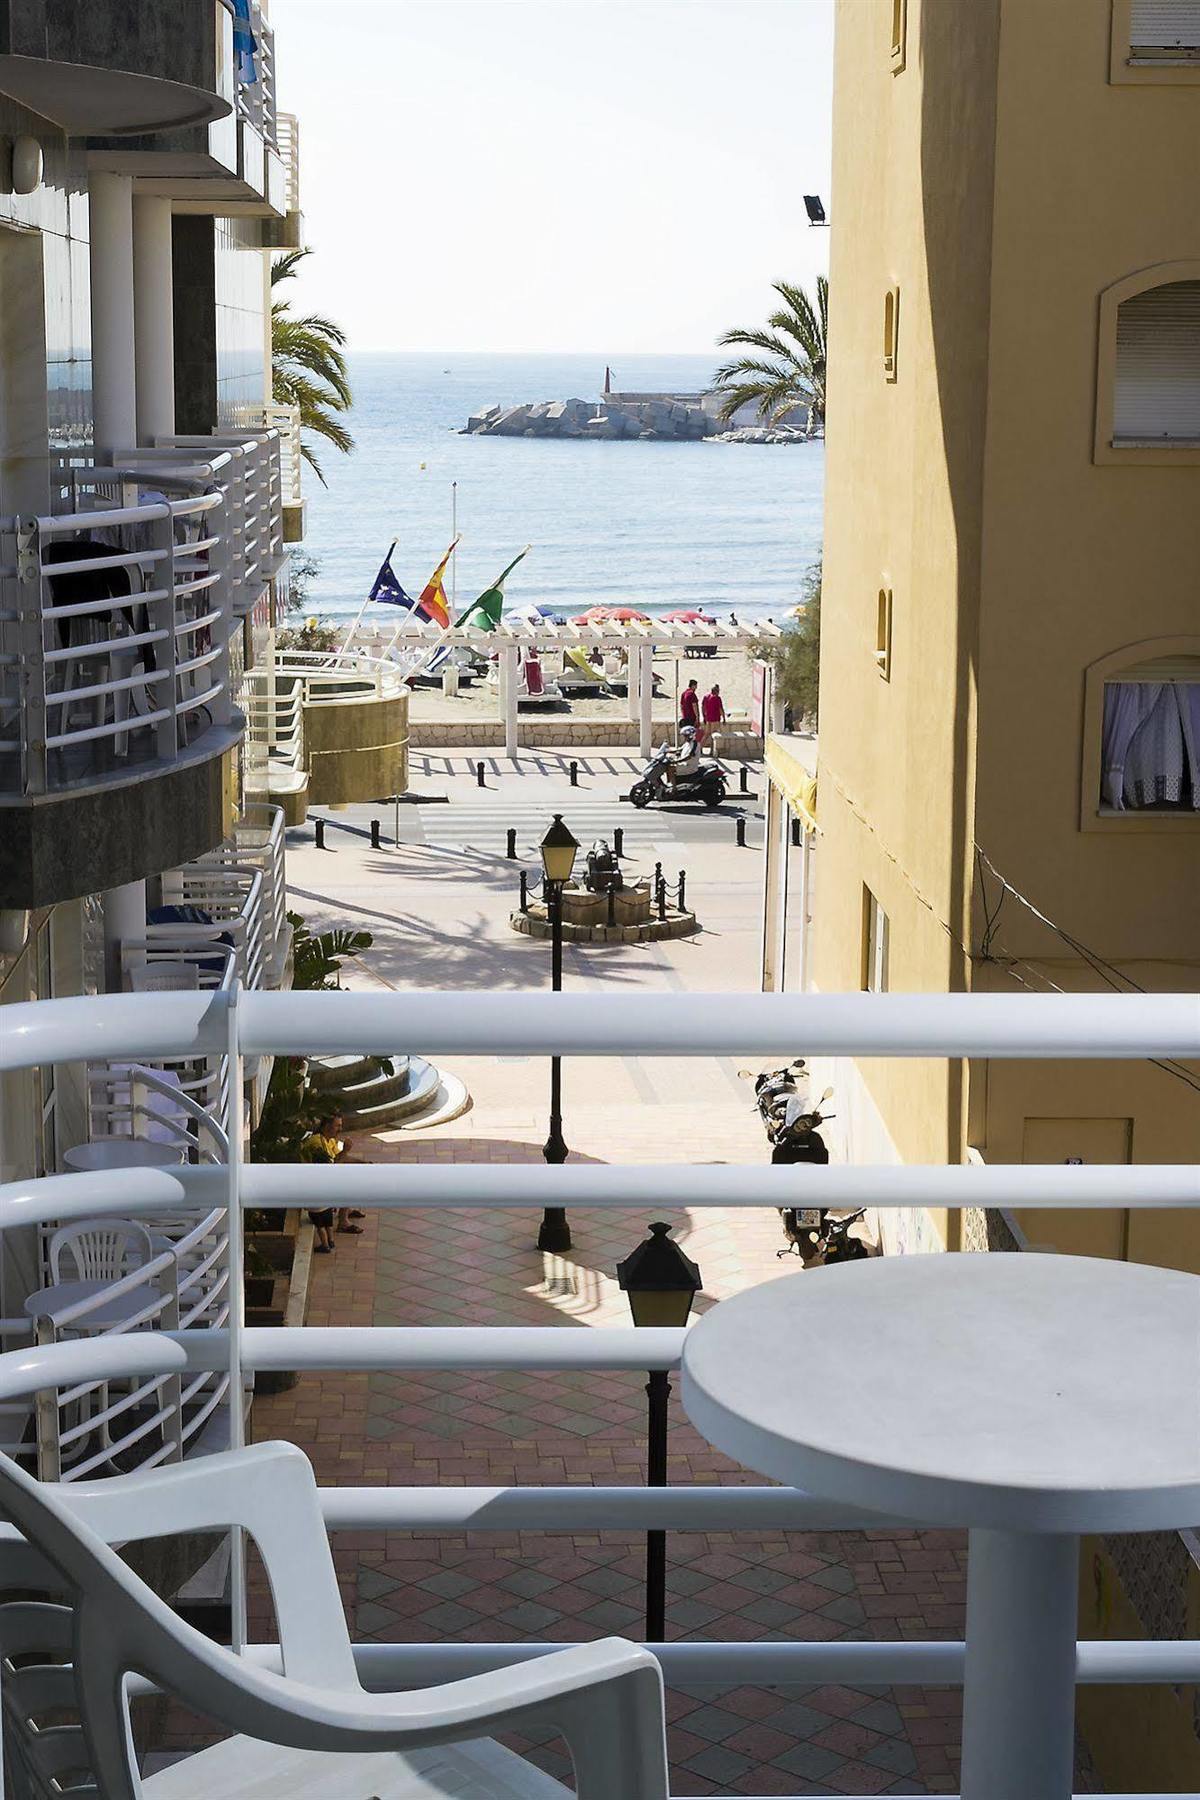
x: 335, y: 728
x: 116, y: 714
x: 87, y: 100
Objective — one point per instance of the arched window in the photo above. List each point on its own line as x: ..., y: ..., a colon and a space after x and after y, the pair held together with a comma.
x: 1156, y: 382
x: 1150, y: 737
x: 1148, y: 367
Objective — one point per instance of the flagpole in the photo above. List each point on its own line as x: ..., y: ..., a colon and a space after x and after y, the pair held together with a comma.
x: 454, y: 535
x: 346, y: 641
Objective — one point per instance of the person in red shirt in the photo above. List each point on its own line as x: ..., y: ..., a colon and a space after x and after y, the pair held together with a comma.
x: 713, y: 709
x: 689, y: 705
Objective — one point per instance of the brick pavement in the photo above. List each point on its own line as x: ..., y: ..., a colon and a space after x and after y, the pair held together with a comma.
x: 440, y: 920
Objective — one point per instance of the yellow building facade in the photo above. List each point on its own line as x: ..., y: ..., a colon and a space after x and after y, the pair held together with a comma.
x: 1010, y: 659
x: 1009, y: 749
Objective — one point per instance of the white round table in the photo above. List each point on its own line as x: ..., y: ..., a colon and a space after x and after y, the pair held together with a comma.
x: 1029, y: 1398
x: 122, y: 1153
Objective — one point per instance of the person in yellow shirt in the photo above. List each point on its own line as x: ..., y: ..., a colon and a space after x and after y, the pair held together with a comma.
x: 326, y: 1145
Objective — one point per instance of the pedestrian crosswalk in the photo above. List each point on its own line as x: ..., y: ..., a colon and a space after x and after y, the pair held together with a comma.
x: 485, y: 827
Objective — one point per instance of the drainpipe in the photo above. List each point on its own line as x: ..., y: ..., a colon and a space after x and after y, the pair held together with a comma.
x: 154, y: 317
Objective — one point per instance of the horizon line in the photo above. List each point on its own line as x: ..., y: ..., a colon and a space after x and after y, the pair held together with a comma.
x: 600, y: 355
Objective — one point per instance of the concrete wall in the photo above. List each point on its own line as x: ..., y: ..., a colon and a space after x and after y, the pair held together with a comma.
x: 913, y: 177
x: 963, y: 480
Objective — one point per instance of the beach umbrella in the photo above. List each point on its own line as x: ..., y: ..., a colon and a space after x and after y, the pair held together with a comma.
x: 688, y: 616
x: 614, y: 615
x: 536, y: 610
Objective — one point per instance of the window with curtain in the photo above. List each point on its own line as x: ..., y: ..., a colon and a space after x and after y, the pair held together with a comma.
x: 1156, y: 385
x: 1150, y: 752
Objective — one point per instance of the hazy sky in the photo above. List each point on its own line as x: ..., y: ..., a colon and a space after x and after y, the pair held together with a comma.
x: 600, y: 175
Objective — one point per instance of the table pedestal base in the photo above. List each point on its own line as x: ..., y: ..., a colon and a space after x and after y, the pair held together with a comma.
x: 1019, y: 1692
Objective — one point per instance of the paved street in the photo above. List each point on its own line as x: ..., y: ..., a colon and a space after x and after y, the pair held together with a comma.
x: 438, y: 906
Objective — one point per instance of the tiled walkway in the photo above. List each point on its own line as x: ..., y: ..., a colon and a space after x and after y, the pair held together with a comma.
x: 511, y: 1428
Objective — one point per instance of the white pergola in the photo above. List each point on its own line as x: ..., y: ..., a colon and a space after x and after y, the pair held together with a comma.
x: 639, y: 639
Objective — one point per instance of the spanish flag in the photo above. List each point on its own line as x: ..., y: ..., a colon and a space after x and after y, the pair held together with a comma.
x: 432, y: 599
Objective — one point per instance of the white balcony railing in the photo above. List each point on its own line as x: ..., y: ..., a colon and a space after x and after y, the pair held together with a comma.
x: 115, y: 622
x: 286, y: 421
x: 239, y: 1025
x: 245, y: 469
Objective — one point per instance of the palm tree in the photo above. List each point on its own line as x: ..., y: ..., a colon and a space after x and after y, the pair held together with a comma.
x: 790, y: 369
x: 308, y: 367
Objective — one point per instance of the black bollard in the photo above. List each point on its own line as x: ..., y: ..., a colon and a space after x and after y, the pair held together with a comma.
x: 683, y: 890
x: 319, y: 829
x: 741, y: 833
x: 743, y: 780
x: 662, y: 897
x: 479, y: 773
x: 612, y: 906
x: 618, y: 841
x: 512, y: 843
x: 795, y: 834
x: 375, y: 845
x: 573, y: 773
x: 524, y: 891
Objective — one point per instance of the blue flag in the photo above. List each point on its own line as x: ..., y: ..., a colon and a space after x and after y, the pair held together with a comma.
x: 387, y: 588
x: 245, y: 44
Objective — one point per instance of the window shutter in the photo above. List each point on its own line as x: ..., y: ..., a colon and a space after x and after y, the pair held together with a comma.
x: 1156, y: 392
x: 1165, y: 25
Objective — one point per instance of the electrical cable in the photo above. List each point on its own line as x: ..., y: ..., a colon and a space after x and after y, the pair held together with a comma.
x: 1098, y: 964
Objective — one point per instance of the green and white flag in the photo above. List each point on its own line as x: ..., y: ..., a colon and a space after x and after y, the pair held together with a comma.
x: 487, y: 611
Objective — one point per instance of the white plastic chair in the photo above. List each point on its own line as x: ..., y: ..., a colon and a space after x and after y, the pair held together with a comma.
x: 311, y: 1732
x: 101, y: 1249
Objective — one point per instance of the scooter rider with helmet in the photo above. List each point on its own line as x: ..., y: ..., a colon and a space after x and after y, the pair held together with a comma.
x: 683, y: 762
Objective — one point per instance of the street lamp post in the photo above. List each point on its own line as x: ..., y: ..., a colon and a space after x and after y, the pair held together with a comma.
x: 559, y: 848
x: 661, y: 1283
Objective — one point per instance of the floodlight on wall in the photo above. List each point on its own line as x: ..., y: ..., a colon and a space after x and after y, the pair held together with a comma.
x: 26, y: 165
x: 815, y: 210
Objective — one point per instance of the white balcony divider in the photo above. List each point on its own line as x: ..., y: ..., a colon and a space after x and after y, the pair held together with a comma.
x: 89, y: 685
x: 286, y: 421
x: 288, y: 131
x: 256, y: 99
x: 240, y: 1024
x: 258, y: 840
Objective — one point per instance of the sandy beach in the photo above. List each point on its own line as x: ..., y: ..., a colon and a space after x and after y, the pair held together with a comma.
x: 732, y: 670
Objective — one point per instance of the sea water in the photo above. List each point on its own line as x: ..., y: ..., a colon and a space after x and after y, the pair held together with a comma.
x: 719, y: 527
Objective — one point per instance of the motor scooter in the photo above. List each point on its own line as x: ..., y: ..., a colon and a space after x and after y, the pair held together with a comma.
x: 792, y: 1125
x: 703, y: 779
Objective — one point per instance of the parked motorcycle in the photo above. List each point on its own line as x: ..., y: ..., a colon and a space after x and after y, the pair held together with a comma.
x: 792, y: 1126
x: 702, y: 780
x: 823, y: 1241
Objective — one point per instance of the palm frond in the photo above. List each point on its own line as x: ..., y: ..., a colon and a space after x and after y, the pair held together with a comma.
x: 284, y: 267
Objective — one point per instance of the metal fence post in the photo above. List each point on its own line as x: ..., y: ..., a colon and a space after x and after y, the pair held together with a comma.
x: 741, y: 833
x: 32, y: 667
x: 375, y: 845
x: 524, y: 891
x: 682, y: 890
x: 479, y: 774
x: 511, y: 850
x: 619, y: 842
